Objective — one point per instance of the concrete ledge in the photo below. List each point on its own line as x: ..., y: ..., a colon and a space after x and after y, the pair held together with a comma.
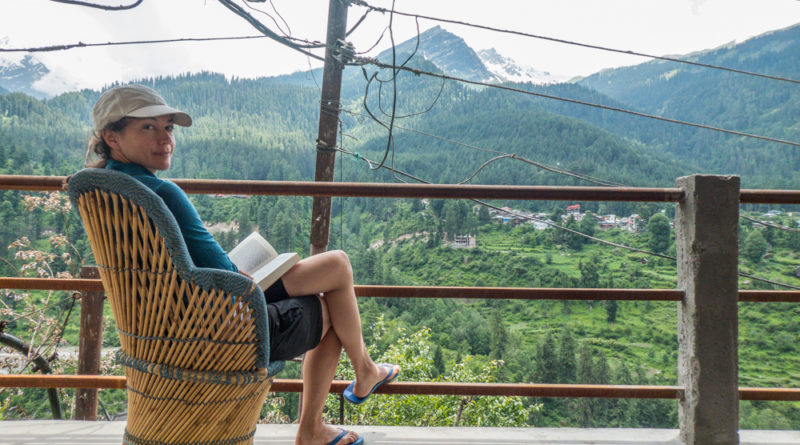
x: 58, y: 432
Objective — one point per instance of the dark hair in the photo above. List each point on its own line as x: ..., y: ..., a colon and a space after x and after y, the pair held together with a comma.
x: 98, y: 146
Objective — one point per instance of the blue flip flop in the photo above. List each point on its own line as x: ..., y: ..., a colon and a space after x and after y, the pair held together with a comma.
x: 352, y: 398
x: 343, y: 433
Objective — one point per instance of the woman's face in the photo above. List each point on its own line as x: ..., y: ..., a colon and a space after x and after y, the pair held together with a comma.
x: 148, y: 142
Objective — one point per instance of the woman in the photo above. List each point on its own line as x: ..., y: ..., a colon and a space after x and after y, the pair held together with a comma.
x: 312, y: 309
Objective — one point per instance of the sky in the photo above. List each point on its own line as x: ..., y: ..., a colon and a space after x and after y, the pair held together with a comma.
x: 660, y: 27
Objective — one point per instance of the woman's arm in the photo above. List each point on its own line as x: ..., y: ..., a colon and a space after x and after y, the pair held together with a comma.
x: 203, y: 248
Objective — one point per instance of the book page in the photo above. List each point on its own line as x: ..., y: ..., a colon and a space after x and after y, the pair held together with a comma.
x: 252, y: 253
x: 270, y: 272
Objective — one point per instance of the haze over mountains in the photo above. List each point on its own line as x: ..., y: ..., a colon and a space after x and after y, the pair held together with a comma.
x: 601, y: 143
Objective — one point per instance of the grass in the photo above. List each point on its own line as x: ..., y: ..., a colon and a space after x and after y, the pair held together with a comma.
x: 645, y: 333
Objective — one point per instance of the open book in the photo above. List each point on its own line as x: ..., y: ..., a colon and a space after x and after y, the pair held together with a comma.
x: 256, y: 257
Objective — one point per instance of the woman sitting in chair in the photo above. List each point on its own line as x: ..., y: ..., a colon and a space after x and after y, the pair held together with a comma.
x: 312, y: 308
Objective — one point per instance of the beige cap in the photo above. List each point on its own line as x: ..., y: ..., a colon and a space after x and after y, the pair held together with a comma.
x: 133, y: 101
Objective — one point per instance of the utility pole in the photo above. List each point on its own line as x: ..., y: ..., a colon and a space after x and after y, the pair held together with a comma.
x: 328, y: 121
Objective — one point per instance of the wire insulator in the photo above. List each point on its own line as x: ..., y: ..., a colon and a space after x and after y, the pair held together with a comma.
x: 343, y: 52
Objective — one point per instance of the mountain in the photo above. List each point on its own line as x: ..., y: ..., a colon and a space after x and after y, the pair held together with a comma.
x: 510, y: 71
x: 729, y: 100
x: 653, y: 86
x: 449, y: 52
x: 612, y: 145
x: 19, y: 76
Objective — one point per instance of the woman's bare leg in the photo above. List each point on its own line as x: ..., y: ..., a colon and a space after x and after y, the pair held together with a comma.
x: 330, y: 273
x: 319, y: 368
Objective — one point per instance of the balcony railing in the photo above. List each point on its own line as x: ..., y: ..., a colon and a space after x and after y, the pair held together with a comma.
x: 706, y: 225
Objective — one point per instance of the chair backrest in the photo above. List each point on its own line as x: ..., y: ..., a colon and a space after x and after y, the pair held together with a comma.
x: 169, y: 313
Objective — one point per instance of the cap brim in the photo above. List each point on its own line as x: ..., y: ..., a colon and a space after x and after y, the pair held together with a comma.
x: 180, y: 118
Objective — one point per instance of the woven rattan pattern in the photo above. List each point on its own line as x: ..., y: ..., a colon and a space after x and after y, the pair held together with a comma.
x: 186, y: 391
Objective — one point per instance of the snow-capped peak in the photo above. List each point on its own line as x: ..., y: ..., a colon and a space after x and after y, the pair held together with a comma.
x: 20, y: 73
x: 508, y: 70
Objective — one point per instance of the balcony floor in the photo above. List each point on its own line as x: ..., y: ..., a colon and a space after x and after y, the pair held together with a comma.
x: 57, y: 432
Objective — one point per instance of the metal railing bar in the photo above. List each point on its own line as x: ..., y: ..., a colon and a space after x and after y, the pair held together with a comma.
x: 393, y: 190
x: 758, y: 196
x: 405, y: 388
x: 521, y: 293
x: 430, y: 388
x: 770, y: 394
x: 382, y: 190
x: 769, y: 296
x: 510, y: 293
x: 74, y: 284
x: 33, y: 183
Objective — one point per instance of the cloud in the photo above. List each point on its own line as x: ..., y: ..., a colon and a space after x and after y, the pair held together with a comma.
x: 696, y: 4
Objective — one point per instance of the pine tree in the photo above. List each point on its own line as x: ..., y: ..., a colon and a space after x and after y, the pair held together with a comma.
x: 620, y: 413
x: 546, y: 360
x: 499, y: 335
x: 659, y: 230
x: 590, y: 275
x: 601, y: 377
x: 755, y: 246
x: 483, y: 215
x: 585, y: 406
x: 438, y: 362
x: 573, y: 240
x: 611, y: 310
x: 588, y: 226
x: 566, y: 357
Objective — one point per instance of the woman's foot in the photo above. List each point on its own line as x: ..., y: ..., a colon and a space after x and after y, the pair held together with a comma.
x: 361, y: 388
x: 326, y: 434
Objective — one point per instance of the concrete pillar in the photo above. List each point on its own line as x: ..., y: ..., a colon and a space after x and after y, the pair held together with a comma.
x: 706, y: 225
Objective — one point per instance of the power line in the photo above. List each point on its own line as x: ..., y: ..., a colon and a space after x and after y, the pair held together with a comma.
x: 531, y: 218
x: 238, y: 10
x: 133, y: 42
x: 569, y: 42
x: 765, y: 280
x: 362, y: 61
x: 393, y: 79
x: 395, y: 68
x: 288, y: 31
x: 560, y: 227
x: 379, y: 64
x: 95, y: 5
x: 774, y: 226
x: 550, y: 168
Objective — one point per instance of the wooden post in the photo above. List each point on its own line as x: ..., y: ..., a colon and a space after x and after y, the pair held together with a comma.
x: 706, y: 224
x: 326, y: 137
x: 91, y: 341
x: 328, y: 121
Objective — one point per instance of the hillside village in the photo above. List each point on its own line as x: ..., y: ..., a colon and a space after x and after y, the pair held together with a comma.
x: 542, y: 221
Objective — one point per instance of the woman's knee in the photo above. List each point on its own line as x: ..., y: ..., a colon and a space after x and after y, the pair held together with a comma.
x: 342, y: 264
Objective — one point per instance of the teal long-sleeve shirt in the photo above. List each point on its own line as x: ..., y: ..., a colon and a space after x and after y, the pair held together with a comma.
x: 203, y: 248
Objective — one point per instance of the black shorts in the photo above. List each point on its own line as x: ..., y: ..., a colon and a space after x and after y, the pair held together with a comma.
x: 295, y: 323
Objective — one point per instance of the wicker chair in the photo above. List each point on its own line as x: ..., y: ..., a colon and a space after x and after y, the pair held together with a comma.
x: 195, y: 341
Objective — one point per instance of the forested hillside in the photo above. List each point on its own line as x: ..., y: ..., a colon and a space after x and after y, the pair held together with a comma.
x: 730, y: 100
x: 266, y: 129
